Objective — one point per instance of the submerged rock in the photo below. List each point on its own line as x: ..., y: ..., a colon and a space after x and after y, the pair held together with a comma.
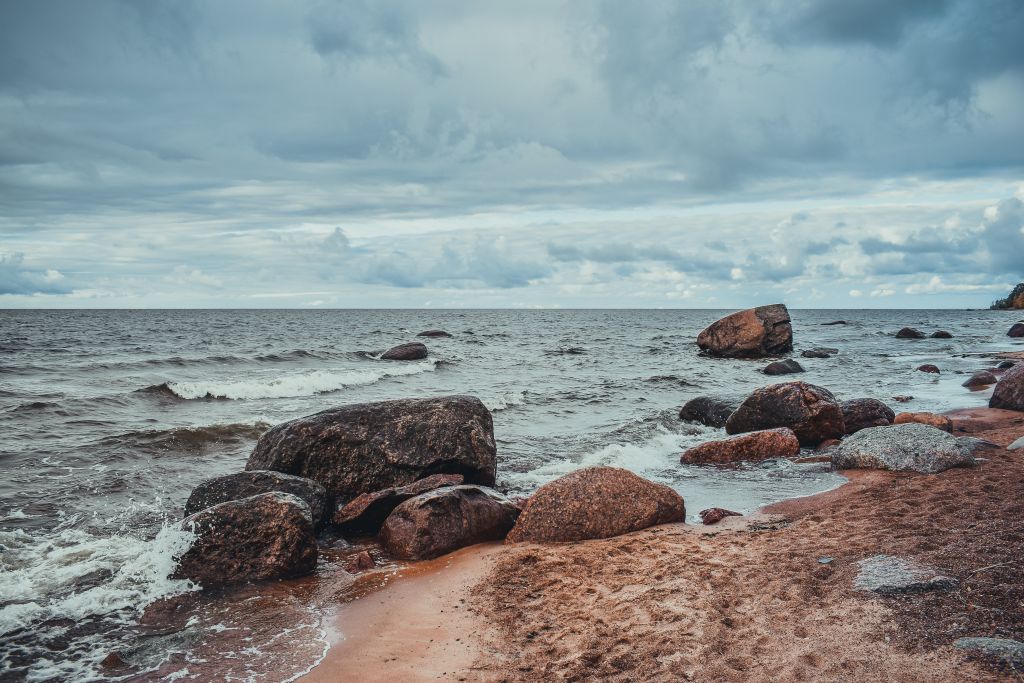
x: 819, y: 352
x: 861, y: 413
x: 254, y: 482
x: 372, y: 446
x: 907, y: 447
x: 716, y: 515
x: 707, y: 410
x: 889, y: 575
x: 365, y: 513
x: 931, y: 419
x: 1016, y: 330
x: 410, y: 351
x: 595, y: 502
x: 927, y: 367
x: 941, y: 334
x: 812, y: 412
x: 783, y: 367
x: 1009, y: 393
x: 268, y: 536
x: 982, y: 378
x: 752, y: 447
x: 446, y: 519
x: 434, y: 333
x: 753, y: 333
x: 836, y: 322
x: 1002, y: 651
x: 910, y: 333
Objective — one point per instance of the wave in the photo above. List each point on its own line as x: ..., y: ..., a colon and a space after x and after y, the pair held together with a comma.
x: 189, y: 439
x: 505, y: 401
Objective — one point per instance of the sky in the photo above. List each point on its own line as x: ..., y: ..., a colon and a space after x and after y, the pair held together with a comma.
x: 337, y: 154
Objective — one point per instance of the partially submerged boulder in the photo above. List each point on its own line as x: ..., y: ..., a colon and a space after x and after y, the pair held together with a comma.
x: 909, y: 447
x: 595, y: 502
x: 861, y: 413
x: 1009, y: 393
x: 982, y: 378
x: 708, y: 410
x: 783, y: 367
x: 812, y: 412
x: 931, y: 419
x: 910, y: 333
x: 819, y: 352
x: 365, y: 513
x: 254, y: 482
x: 941, y: 334
x: 410, y: 351
x: 1016, y: 330
x: 434, y: 333
x: 446, y: 519
x: 372, y: 446
x: 753, y: 333
x: 268, y: 536
x: 928, y: 367
x: 752, y: 447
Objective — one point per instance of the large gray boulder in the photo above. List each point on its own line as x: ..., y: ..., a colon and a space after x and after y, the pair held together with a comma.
x: 244, y: 484
x: 372, y: 446
x: 753, y: 333
x: 812, y: 412
x: 909, y: 447
x: 1009, y: 392
x: 889, y: 575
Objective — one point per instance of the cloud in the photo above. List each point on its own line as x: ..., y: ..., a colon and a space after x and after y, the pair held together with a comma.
x: 16, y: 278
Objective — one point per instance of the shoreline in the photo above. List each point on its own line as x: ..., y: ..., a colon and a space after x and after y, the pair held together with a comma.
x: 526, y: 616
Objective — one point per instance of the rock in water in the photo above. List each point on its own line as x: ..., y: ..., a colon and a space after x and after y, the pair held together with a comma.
x: 927, y: 367
x: 434, y: 333
x: 819, y: 352
x: 709, y: 411
x: 446, y: 519
x: 244, y: 484
x: 909, y: 333
x: 365, y: 513
x: 890, y: 575
x: 1009, y: 393
x: 1003, y: 651
x: 941, y: 334
x: 1005, y: 365
x: 410, y: 351
x: 783, y: 367
x: 861, y: 413
x: 836, y: 322
x: 269, y: 536
x: 812, y: 412
x: 907, y: 447
x: 753, y: 333
x: 982, y: 378
x: 595, y: 502
x: 752, y: 447
x: 931, y: 419
x: 372, y: 446
x: 1016, y: 330
x: 716, y: 515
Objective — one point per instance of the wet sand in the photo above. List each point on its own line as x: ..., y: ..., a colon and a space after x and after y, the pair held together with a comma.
x: 749, y: 600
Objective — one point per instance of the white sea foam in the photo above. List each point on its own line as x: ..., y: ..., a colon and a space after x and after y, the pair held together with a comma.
x: 300, y: 384
x: 505, y: 401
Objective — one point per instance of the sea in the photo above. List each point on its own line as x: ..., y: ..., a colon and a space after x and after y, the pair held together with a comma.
x: 109, y: 418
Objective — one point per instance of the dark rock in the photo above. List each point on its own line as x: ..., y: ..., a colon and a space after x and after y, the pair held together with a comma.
x: 254, y: 482
x: 753, y: 333
x: 1016, y: 330
x: 1004, y: 652
x: 434, y: 333
x: 715, y: 515
x: 709, y: 411
x: 888, y: 575
x: 836, y: 322
x: 903, y: 399
x: 909, y: 333
x: 929, y: 368
x: 372, y: 446
x: 812, y: 412
x: 819, y: 352
x: 752, y: 447
x: 446, y: 519
x: 360, y: 562
x: 365, y: 513
x: 783, y: 367
x: 596, y: 502
x: 982, y: 378
x: 410, y: 351
x: 861, y: 413
x: 931, y: 419
x: 1005, y: 365
x: 941, y: 334
x: 268, y: 536
x: 1009, y: 392
x: 907, y: 447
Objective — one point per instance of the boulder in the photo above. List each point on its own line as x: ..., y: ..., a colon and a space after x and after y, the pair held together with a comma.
x: 360, y: 562
x: 716, y: 515
x: 752, y: 447
x: 1009, y: 393
x: 861, y: 413
x: 909, y: 333
x: 1003, y: 652
x: 908, y: 447
x: 812, y: 412
x: 595, y: 502
x: 1016, y: 330
x: 446, y: 519
x: 783, y: 367
x: 268, y: 536
x: 889, y: 575
x: 753, y: 333
x: 819, y: 352
x: 941, y: 334
x: 1005, y: 365
x: 372, y: 446
x: 254, y: 482
x: 434, y: 333
x: 982, y: 378
x: 707, y: 410
x: 365, y: 513
x: 410, y: 351
x: 931, y: 419
x: 927, y: 367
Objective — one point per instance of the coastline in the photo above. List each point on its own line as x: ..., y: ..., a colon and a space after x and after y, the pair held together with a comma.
x: 744, y: 600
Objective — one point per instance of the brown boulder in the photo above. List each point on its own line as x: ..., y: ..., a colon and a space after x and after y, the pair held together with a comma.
x: 595, y: 502
x: 931, y: 419
x: 861, y: 413
x: 753, y: 333
x: 372, y: 446
x: 1009, y: 393
x: 410, y: 351
x: 909, y: 333
x: 446, y: 519
x: 244, y: 484
x: 1016, y: 330
x: 715, y: 515
x: 360, y: 562
x: 812, y: 412
x: 980, y: 379
x: 269, y: 536
x: 927, y: 367
x: 752, y: 447
x: 365, y: 513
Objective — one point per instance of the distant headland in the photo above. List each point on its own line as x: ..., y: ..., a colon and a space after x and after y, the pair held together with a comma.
x: 1014, y: 300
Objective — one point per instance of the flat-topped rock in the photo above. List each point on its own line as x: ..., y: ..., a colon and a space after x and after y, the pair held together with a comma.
x: 254, y: 482
x: 812, y: 412
x: 751, y: 447
x: 861, y: 413
x: 753, y: 333
x: 910, y: 447
x: 931, y: 419
x: 889, y: 575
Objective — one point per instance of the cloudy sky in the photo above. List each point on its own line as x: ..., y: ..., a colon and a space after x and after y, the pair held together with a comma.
x: 696, y: 153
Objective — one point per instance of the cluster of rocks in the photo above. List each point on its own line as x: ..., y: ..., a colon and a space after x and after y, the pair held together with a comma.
x: 913, y: 333
x: 412, y: 350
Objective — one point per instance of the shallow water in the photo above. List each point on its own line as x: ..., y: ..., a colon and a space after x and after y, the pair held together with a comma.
x: 109, y: 418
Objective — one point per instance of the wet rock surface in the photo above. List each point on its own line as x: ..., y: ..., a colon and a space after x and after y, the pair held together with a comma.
x: 910, y: 333
x: 1009, y: 392
x: 982, y: 378
x: 365, y: 513
x: 446, y: 519
x: 819, y: 352
x: 812, y: 412
x: 927, y: 367
x: 941, y: 334
x: 716, y: 515
x: 783, y: 367
x: 861, y: 413
x: 908, y: 447
x: 889, y: 575
x: 1002, y: 651
x: 1016, y: 330
x: 595, y: 502
x: 707, y: 410
x: 753, y: 333
x: 410, y: 351
x: 245, y: 484
x: 751, y: 447
x: 931, y: 419
x: 372, y: 446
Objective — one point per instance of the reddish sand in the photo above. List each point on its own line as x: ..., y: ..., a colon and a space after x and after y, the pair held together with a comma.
x: 746, y: 600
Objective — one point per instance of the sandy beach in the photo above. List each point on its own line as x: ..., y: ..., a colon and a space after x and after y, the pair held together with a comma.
x: 749, y: 599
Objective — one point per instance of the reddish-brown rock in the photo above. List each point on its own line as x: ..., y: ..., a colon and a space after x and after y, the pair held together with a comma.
x: 269, y: 536
x: 596, y: 502
x: 752, y: 447
x: 360, y: 562
x: 1009, y: 393
x: 715, y: 515
x: 254, y: 482
x: 366, y: 512
x: 446, y: 519
x: 980, y: 379
x: 861, y: 413
x: 410, y: 351
x: 753, y: 333
x: 812, y: 412
x: 909, y: 333
x: 928, y: 367
x: 931, y: 419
